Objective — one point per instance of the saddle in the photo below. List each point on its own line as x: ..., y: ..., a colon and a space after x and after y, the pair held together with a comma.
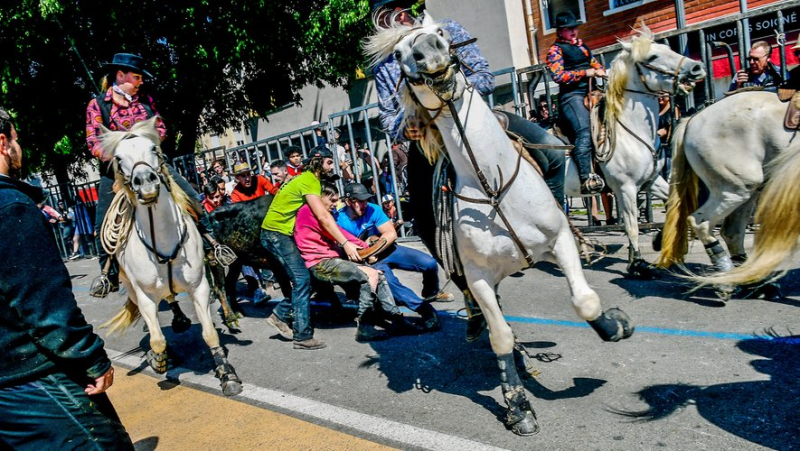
x: 792, y: 118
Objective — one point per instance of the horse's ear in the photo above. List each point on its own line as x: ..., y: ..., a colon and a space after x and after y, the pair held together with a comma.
x: 106, y: 149
x: 427, y: 19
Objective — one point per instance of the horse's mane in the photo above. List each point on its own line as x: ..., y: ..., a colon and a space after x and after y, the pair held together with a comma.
x: 621, y: 67
x: 378, y: 48
x: 109, y: 140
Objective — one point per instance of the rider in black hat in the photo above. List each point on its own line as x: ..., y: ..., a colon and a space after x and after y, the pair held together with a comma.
x: 572, y: 65
x: 118, y: 107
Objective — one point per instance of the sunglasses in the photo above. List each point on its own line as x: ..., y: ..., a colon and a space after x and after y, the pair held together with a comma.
x: 755, y: 58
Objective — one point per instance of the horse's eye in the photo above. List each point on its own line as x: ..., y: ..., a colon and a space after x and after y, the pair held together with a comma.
x: 440, y: 32
x: 398, y: 55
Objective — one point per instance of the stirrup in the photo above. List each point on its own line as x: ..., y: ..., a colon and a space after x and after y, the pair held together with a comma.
x: 594, y: 184
x: 101, y: 286
x: 224, y: 254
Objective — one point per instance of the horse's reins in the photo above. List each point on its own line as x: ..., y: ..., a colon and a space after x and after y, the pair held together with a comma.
x: 652, y: 93
x: 183, y: 235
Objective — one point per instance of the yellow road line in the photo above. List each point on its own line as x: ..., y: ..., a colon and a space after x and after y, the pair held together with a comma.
x: 162, y: 415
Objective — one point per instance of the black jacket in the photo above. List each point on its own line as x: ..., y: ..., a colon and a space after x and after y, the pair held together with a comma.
x: 42, y: 330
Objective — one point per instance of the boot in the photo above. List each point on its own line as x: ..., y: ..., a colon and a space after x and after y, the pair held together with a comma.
x: 400, y: 325
x: 366, y: 330
x: 430, y: 320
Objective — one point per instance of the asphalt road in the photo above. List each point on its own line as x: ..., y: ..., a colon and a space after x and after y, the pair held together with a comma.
x: 697, y: 374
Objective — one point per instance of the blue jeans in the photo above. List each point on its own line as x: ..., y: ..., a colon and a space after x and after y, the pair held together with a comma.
x: 54, y: 413
x: 410, y: 260
x: 575, y: 113
x: 282, y: 250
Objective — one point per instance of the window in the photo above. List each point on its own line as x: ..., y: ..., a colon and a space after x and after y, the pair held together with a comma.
x: 550, y: 8
x: 615, y: 6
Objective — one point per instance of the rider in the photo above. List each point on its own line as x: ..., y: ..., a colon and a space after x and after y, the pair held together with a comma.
x: 572, y: 66
x: 420, y: 171
x: 119, y: 106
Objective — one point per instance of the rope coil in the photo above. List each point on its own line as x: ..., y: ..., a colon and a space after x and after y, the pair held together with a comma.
x: 117, y: 224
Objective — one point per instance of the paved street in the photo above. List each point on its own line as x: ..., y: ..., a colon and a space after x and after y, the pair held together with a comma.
x: 697, y: 374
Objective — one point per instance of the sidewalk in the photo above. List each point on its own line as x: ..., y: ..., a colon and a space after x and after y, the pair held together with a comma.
x: 163, y: 415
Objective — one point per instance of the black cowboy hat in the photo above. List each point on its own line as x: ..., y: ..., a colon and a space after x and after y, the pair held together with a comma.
x: 566, y: 20
x: 129, y: 63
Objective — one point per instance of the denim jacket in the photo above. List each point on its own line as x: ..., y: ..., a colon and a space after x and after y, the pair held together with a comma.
x: 42, y: 330
x: 387, y: 76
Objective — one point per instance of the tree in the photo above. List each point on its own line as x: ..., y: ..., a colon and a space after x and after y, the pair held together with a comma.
x: 214, y: 63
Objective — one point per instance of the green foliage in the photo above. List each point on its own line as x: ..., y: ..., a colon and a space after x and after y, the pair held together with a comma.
x: 214, y: 62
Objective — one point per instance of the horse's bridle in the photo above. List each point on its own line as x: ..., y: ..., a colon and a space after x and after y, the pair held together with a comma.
x: 493, y: 196
x: 675, y: 75
x: 183, y: 234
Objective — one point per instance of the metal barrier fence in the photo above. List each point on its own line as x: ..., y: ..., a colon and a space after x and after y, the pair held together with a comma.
x: 519, y: 88
x: 81, y: 199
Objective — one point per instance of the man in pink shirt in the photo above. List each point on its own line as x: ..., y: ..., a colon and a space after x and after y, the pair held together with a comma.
x: 324, y: 258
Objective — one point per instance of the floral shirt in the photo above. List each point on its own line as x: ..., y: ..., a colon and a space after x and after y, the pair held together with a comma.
x: 387, y: 76
x: 121, y: 118
x: 555, y: 63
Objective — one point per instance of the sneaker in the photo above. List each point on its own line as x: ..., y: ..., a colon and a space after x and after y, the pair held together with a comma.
x: 261, y: 296
x: 310, y: 344
x: 441, y: 296
x: 74, y: 256
x: 283, y: 329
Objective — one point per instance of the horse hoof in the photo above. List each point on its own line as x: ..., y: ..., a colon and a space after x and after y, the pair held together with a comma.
x: 527, y: 426
x: 158, y: 362
x: 613, y: 325
x: 640, y: 269
x: 623, y: 319
x: 772, y: 292
x: 181, y: 324
x: 657, y: 239
x: 231, y: 388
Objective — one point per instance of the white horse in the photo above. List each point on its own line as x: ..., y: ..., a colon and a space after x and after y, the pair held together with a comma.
x: 164, y: 253
x: 778, y: 217
x: 505, y: 217
x: 638, y: 74
x: 728, y: 146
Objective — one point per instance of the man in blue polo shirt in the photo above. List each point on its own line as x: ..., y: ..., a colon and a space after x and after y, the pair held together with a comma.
x: 365, y: 220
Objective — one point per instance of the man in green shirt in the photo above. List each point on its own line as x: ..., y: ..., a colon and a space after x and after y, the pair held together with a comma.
x: 276, y: 237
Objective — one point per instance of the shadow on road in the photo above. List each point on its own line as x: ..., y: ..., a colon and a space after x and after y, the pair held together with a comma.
x: 763, y: 412
x: 443, y: 361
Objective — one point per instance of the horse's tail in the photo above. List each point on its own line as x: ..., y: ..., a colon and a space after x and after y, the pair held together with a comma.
x: 681, y: 202
x: 779, y: 220
x: 127, y: 316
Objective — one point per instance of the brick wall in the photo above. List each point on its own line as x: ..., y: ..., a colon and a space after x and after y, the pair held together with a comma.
x: 659, y: 16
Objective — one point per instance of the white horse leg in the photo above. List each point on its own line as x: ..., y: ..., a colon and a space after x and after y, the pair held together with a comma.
x: 157, y: 355
x: 733, y: 230
x: 637, y: 266
x: 229, y: 381
x: 611, y: 325
x: 520, y: 417
x: 704, y: 219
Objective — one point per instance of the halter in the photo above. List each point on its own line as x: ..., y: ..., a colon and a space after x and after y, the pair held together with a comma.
x: 675, y: 75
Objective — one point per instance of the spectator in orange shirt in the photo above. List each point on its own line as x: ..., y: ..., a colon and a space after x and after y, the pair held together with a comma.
x: 249, y: 186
